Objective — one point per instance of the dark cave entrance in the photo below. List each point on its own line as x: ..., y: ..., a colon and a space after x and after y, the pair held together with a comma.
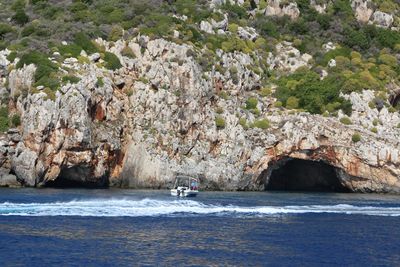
x: 77, y: 177
x: 302, y: 175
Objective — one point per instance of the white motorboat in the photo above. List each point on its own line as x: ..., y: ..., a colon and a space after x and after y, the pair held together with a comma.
x: 185, y: 186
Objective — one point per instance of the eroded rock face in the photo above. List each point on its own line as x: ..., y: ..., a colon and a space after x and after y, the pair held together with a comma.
x: 155, y: 118
x: 362, y: 10
x: 319, y: 6
x: 382, y: 19
x: 276, y: 8
x: 366, y: 13
x: 287, y: 58
x: 79, y: 128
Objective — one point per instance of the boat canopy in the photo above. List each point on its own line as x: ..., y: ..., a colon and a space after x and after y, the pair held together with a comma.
x: 186, y: 181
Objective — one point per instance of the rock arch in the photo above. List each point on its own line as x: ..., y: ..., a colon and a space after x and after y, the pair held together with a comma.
x: 79, y: 176
x: 294, y: 174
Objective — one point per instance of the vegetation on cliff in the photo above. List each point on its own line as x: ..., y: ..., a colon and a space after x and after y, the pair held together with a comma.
x: 361, y: 55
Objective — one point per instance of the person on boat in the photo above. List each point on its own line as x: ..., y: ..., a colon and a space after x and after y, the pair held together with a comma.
x: 193, y: 185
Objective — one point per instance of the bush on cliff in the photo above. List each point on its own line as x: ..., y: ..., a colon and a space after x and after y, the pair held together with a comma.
x: 219, y: 122
x: 4, y: 29
x: 262, y: 124
x: 20, y: 17
x: 81, y: 39
x: 45, y: 69
x: 15, y: 120
x: 4, y: 121
x: 356, y: 138
x: 312, y: 93
x: 112, y: 61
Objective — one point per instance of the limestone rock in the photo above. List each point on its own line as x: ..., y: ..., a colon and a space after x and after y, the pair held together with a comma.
x: 382, y: 19
x: 247, y: 33
x: 206, y: 26
x: 362, y: 10
x: 275, y: 8
x: 319, y: 7
x: 328, y: 46
x: 287, y: 58
x: 21, y: 80
x: 8, y: 180
x: 155, y: 118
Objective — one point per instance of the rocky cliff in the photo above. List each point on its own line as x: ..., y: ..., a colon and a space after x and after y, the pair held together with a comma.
x: 136, y: 111
x: 157, y: 116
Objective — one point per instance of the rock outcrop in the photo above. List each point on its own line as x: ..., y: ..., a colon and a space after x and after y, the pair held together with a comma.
x: 276, y: 8
x: 155, y: 117
x: 365, y: 13
x: 287, y: 58
x: 382, y: 19
x: 362, y: 10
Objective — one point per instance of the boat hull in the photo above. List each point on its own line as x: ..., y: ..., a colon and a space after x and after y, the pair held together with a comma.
x: 184, y: 193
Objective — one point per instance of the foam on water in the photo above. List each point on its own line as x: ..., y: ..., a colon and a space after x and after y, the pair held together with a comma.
x: 153, y: 207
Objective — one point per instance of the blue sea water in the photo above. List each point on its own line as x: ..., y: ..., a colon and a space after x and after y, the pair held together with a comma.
x: 72, y: 227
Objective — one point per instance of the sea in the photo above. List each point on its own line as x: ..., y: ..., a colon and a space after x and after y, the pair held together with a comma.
x: 112, y: 227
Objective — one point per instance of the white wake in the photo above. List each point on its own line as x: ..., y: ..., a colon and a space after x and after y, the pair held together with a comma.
x: 152, y: 207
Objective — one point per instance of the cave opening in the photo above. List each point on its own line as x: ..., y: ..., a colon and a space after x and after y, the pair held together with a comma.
x: 77, y: 177
x: 302, y: 175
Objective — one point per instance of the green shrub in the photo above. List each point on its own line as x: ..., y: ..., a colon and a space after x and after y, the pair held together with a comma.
x: 83, y: 60
x: 16, y: 120
x: 71, y: 79
x: 4, y: 124
x: 262, y: 124
x: 20, y: 17
x: 45, y: 69
x: 11, y: 57
x: 388, y: 60
x: 219, y: 122
x: 313, y: 94
x: 332, y: 54
x: 266, y: 27
x: 82, y: 40
x: 265, y: 92
x: 243, y: 123
x: 385, y: 37
x: 4, y: 29
x: 292, y: 102
x: 71, y: 50
x: 4, y: 121
x: 345, y: 120
x: 356, y: 138
x: 224, y: 95
x: 342, y: 7
x: 116, y: 33
x: 18, y: 5
x: 234, y: 11
x: 50, y: 94
x: 356, y: 38
x: 99, y: 82
x: 144, y: 80
x: 112, y: 61
x: 232, y: 27
x: 219, y: 110
x: 127, y: 52
x: 374, y: 130
x: 4, y: 112
x: 28, y: 30
x: 251, y: 103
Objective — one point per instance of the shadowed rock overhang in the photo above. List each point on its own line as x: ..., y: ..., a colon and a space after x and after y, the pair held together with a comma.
x: 77, y: 177
x: 291, y: 174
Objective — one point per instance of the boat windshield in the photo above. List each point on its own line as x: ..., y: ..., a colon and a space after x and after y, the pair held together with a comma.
x: 190, y: 182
